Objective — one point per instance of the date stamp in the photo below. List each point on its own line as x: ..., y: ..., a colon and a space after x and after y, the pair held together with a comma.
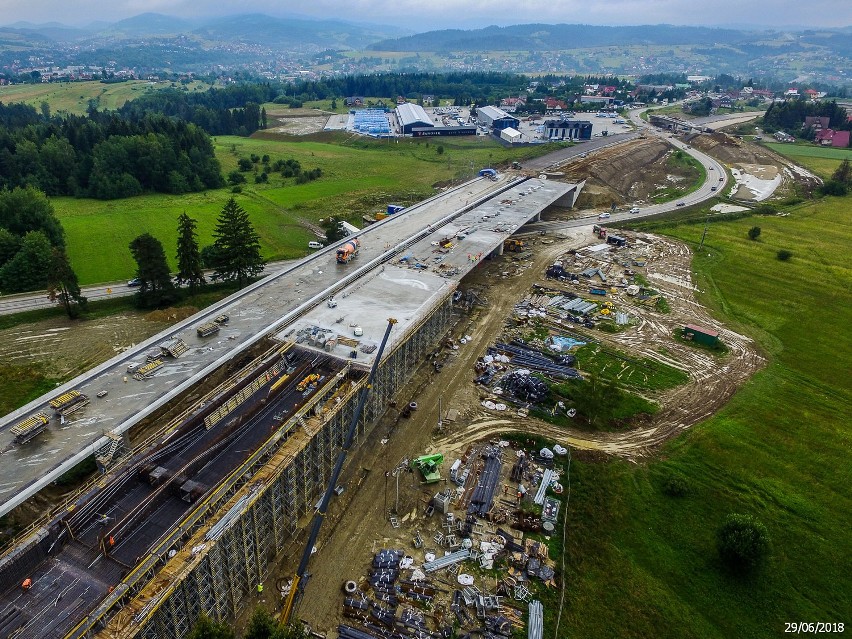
x: 813, y: 627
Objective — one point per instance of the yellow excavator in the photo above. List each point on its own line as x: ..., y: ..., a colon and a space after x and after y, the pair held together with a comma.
x: 297, y: 588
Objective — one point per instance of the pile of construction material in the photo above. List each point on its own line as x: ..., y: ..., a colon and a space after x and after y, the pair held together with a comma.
x: 527, y: 357
x: 483, y: 495
x: 480, y: 526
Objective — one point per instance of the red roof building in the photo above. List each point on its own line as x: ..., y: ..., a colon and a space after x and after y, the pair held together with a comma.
x: 840, y: 139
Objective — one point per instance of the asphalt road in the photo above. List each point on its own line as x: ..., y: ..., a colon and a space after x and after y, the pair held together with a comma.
x: 715, y: 171
x: 10, y: 304
x: 19, y: 303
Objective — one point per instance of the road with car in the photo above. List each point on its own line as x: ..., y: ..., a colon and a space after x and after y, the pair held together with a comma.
x: 717, y: 180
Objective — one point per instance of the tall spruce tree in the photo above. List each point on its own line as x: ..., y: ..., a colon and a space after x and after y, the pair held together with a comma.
x: 237, y: 245
x: 190, y: 266
x: 62, y: 284
x: 155, y: 281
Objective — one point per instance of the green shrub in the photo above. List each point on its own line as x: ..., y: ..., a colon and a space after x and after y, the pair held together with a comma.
x: 784, y: 255
x: 676, y: 486
x: 742, y: 541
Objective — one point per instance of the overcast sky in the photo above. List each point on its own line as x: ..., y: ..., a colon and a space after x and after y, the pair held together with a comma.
x: 422, y: 15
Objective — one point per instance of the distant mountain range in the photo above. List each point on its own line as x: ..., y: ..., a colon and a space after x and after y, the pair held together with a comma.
x: 258, y: 29
x: 555, y: 37
x: 152, y: 41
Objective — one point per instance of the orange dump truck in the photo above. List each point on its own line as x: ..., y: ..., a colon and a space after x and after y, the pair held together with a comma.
x: 348, y: 250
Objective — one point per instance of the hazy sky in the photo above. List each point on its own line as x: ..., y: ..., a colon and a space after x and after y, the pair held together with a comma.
x: 421, y: 15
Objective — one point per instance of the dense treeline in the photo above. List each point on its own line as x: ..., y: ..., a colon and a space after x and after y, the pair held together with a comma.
x: 104, y: 154
x: 232, y: 110
x: 790, y: 115
x: 32, y: 249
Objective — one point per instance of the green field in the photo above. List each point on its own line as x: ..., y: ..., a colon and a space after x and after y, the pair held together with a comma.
x: 360, y: 177
x: 634, y: 373
x: 820, y: 160
x: 642, y: 563
x: 74, y: 97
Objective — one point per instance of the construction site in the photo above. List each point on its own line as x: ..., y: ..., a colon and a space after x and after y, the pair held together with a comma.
x: 442, y: 339
x: 190, y: 518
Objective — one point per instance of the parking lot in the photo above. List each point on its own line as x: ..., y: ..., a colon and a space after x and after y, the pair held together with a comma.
x: 530, y: 127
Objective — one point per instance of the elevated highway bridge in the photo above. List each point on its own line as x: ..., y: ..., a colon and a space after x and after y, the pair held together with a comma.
x: 142, y: 551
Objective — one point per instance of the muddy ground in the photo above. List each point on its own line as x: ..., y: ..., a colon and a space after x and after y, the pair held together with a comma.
x: 358, y: 522
x: 296, y: 121
x: 624, y: 174
x: 64, y: 348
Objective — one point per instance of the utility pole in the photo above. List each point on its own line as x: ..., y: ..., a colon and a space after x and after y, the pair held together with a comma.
x: 704, y: 234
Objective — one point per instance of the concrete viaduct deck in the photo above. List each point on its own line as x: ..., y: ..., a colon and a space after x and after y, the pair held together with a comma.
x: 478, y: 215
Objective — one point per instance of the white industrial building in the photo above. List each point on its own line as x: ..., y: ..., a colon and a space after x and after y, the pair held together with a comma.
x: 511, y: 135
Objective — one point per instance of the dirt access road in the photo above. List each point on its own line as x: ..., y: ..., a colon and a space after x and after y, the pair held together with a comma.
x: 358, y: 524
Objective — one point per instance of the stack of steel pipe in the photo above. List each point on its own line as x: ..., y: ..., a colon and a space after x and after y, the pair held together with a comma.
x: 356, y: 608
x: 543, y: 486
x: 525, y: 357
x: 381, y: 633
x: 385, y: 616
x: 483, y: 495
x: 348, y: 632
x: 535, y: 626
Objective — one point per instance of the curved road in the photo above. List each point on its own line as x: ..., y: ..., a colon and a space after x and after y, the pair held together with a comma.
x: 717, y: 180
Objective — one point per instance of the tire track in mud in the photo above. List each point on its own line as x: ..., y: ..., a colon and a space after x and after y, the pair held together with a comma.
x: 713, y: 378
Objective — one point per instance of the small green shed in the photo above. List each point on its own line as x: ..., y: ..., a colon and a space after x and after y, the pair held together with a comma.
x: 701, y: 335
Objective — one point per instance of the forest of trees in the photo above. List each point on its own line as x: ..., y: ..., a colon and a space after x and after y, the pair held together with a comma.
x: 790, y: 115
x: 232, y: 110
x: 32, y: 249
x: 103, y: 154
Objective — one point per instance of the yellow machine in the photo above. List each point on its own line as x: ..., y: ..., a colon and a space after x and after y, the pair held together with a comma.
x: 307, y: 381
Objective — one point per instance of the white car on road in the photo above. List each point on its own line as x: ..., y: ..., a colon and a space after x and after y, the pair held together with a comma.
x: 603, y: 216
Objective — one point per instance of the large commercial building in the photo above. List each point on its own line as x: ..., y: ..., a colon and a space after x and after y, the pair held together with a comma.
x: 496, y: 118
x: 412, y: 115
x: 567, y: 130
x: 435, y: 131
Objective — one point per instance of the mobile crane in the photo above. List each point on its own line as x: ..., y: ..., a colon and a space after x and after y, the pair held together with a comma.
x: 300, y: 579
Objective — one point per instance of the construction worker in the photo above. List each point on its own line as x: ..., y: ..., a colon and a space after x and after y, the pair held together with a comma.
x: 111, y: 541
x: 26, y: 584
x: 259, y: 589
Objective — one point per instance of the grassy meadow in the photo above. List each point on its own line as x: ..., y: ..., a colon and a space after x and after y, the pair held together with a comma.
x: 822, y: 161
x: 74, y: 97
x: 643, y: 563
x: 360, y: 176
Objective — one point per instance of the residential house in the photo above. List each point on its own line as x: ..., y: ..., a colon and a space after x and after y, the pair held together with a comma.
x: 816, y: 121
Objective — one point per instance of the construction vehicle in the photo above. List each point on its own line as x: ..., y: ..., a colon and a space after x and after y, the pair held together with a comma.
x: 597, y: 291
x: 349, y: 250
x: 221, y: 319
x: 489, y: 173
x: 297, y: 587
x: 429, y: 466
x: 515, y: 246
x: 600, y: 231
x: 307, y: 381
x: 29, y: 428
